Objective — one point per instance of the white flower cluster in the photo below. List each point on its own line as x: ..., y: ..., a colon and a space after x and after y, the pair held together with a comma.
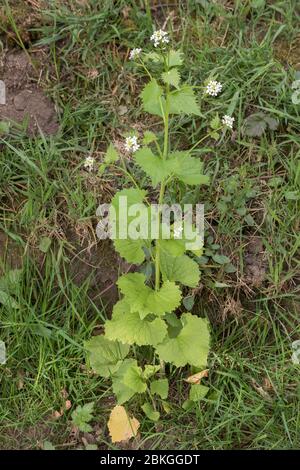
x: 228, y: 121
x: 131, y: 144
x: 213, y: 88
x: 135, y: 53
x: 159, y: 38
x: 89, y: 163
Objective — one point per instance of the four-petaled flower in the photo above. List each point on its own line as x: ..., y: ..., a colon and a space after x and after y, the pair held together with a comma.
x: 134, y: 53
x: 213, y: 88
x: 131, y: 144
x: 228, y: 121
x: 159, y: 38
x: 89, y: 163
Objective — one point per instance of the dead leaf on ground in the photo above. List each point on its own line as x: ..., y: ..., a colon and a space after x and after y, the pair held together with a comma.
x: 121, y: 426
x: 195, y: 378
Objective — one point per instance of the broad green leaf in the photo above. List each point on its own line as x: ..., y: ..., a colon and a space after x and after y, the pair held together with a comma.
x: 175, y: 58
x: 153, y: 56
x: 153, y: 165
x: 152, y: 98
x: 105, y: 355
x: 160, y: 387
x: 131, y: 250
x: 172, y: 77
x: 150, y: 370
x: 184, y: 101
x: 180, y: 268
x: 150, y: 412
x: 197, y: 392
x: 129, y: 328
x: 188, y: 169
x: 111, y: 155
x: 133, y: 378
x: 149, y: 137
x: 126, y: 390
x: 145, y: 300
x: 191, y: 346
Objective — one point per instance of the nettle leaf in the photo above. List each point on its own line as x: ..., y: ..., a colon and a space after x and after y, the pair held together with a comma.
x: 152, y: 98
x: 150, y: 412
x: 127, y: 381
x: 180, y: 268
x: 160, y: 387
x: 152, y: 165
x: 145, y: 300
x: 105, y: 356
x: 153, y: 56
x: 172, y: 77
x: 184, y: 101
x: 149, y: 137
x: 187, y: 169
x: 190, y: 346
x: 129, y: 328
x: 175, y: 58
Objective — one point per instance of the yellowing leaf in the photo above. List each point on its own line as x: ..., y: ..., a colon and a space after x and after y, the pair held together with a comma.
x: 195, y: 378
x: 121, y: 426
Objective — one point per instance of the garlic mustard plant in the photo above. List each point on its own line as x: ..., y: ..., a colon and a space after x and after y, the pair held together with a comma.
x: 149, y: 313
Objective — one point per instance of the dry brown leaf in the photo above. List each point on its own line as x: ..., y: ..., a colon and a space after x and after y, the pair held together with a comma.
x: 195, y: 379
x: 121, y: 426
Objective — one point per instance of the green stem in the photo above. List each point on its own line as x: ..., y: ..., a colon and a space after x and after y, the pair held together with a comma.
x: 162, y: 188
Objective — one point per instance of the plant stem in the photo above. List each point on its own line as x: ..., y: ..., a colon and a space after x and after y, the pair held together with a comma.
x: 162, y: 188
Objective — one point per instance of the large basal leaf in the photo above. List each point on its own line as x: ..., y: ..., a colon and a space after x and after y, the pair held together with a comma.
x: 129, y: 328
x: 105, y: 355
x: 191, y: 346
x: 180, y: 268
x: 145, y: 300
x: 152, y: 98
x: 152, y: 165
x: 188, y: 169
x: 184, y: 101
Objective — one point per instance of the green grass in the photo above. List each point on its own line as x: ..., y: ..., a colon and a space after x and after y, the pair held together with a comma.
x: 45, y: 192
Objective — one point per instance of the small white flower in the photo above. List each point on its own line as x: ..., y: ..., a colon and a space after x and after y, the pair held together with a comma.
x: 134, y: 53
x: 89, y: 163
x: 131, y: 144
x: 228, y: 121
x: 213, y: 88
x: 159, y: 38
